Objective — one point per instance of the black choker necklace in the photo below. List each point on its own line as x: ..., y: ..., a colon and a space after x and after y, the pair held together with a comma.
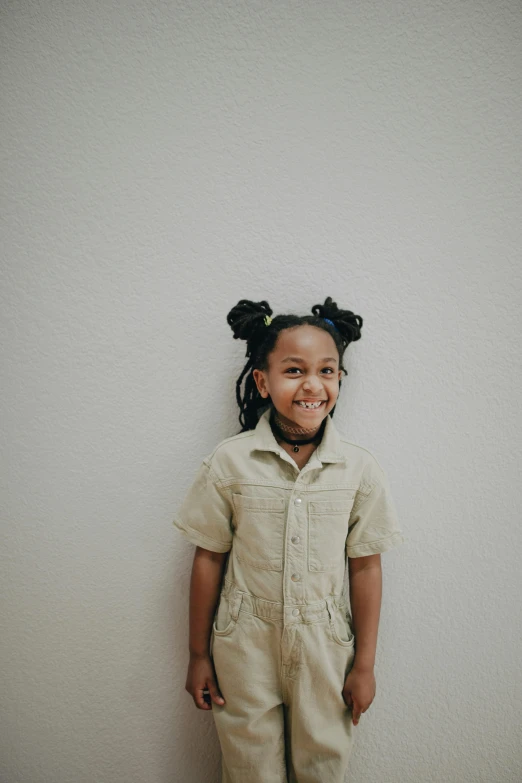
x: 296, y: 443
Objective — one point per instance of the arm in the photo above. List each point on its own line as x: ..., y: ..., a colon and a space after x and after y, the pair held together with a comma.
x: 365, y: 599
x: 205, y: 585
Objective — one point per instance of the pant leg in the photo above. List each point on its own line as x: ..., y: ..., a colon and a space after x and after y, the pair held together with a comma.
x: 250, y: 725
x: 320, y: 725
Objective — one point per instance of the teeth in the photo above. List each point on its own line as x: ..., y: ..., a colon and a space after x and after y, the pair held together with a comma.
x: 310, y: 404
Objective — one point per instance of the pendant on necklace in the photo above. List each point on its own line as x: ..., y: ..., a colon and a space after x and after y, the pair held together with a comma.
x: 296, y: 448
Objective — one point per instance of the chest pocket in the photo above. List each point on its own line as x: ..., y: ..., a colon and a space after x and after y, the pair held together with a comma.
x: 328, y: 522
x: 259, y: 531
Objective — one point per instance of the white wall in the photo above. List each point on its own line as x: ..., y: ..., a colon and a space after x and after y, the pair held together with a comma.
x: 161, y: 161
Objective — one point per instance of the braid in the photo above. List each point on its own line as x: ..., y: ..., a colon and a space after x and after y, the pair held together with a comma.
x: 248, y: 322
x: 251, y: 321
x: 248, y: 417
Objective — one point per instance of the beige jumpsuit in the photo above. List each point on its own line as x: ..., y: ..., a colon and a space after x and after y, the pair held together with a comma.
x: 282, y: 639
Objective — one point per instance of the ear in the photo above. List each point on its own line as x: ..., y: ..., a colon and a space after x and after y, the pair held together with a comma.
x: 259, y: 378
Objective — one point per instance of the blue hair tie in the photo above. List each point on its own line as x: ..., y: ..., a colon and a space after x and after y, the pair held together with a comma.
x: 330, y: 322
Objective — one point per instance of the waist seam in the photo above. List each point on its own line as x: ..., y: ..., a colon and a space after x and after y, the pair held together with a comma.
x: 309, y: 613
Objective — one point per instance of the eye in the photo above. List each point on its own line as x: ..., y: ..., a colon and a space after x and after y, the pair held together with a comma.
x: 298, y: 368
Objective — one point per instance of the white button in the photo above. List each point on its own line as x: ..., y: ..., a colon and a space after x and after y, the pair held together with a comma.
x: 298, y: 500
x: 295, y: 612
x: 296, y: 577
x: 295, y: 539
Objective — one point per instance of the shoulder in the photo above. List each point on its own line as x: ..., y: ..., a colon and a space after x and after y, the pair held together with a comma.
x: 352, y: 449
x: 368, y: 466
x: 231, y: 444
x: 229, y: 453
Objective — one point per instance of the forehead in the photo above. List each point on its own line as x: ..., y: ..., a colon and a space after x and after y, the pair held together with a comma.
x: 308, y: 342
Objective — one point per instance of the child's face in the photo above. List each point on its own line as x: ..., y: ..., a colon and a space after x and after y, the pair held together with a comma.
x: 315, y: 377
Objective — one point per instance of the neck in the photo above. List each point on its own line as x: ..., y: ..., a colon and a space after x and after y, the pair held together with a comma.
x: 293, y: 431
x: 290, y: 438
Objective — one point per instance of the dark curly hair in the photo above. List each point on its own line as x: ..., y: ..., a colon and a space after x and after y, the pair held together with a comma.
x: 251, y: 321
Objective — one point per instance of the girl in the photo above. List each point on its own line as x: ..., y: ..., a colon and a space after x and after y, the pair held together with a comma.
x: 276, y: 512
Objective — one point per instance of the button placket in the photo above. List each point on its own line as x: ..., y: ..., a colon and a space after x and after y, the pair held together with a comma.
x: 296, y: 539
x: 294, y: 565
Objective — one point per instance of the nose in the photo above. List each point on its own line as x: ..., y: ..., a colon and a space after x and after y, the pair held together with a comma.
x: 313, y: 385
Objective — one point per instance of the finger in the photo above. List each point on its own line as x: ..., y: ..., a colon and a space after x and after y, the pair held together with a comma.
x: 348, y: 699
x: 200, y: 695
x: 215, y: 695
x: 356, y: 714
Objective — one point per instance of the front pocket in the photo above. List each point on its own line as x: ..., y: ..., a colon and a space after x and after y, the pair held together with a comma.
x: 259, y: 531
x: 340, y: 629
x: 328, y: 522
x: 224, y: 623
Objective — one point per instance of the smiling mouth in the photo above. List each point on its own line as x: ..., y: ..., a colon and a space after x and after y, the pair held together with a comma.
x: 310, y: 406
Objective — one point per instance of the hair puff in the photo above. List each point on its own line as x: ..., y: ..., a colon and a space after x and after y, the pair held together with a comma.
x: 347, y: 323
x: 247, y: 318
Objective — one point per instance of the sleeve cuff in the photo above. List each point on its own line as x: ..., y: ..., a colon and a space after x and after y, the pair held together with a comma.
x: 375, y: 547
x: 197, y: 538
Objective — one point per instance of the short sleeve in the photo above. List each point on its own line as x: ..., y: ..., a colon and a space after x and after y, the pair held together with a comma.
x: 205, y: 515
x: 373, y: 526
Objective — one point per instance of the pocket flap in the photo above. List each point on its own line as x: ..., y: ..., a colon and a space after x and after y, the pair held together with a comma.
x: 258, y: 504
x: 331, y: 506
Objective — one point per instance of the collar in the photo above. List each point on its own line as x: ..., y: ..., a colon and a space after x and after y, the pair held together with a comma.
x: 329, y: 450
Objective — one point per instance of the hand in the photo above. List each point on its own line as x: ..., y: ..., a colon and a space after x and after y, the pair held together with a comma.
x: 201, y: 676
x: 359, y: 691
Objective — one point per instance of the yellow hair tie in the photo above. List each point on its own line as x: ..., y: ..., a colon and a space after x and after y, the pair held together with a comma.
x: 268, y: 320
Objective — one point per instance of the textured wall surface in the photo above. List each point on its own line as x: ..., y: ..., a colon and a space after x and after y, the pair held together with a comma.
x: 159, y: 162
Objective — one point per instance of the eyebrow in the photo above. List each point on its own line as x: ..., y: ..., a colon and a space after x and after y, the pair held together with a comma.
x: 298, y: 360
